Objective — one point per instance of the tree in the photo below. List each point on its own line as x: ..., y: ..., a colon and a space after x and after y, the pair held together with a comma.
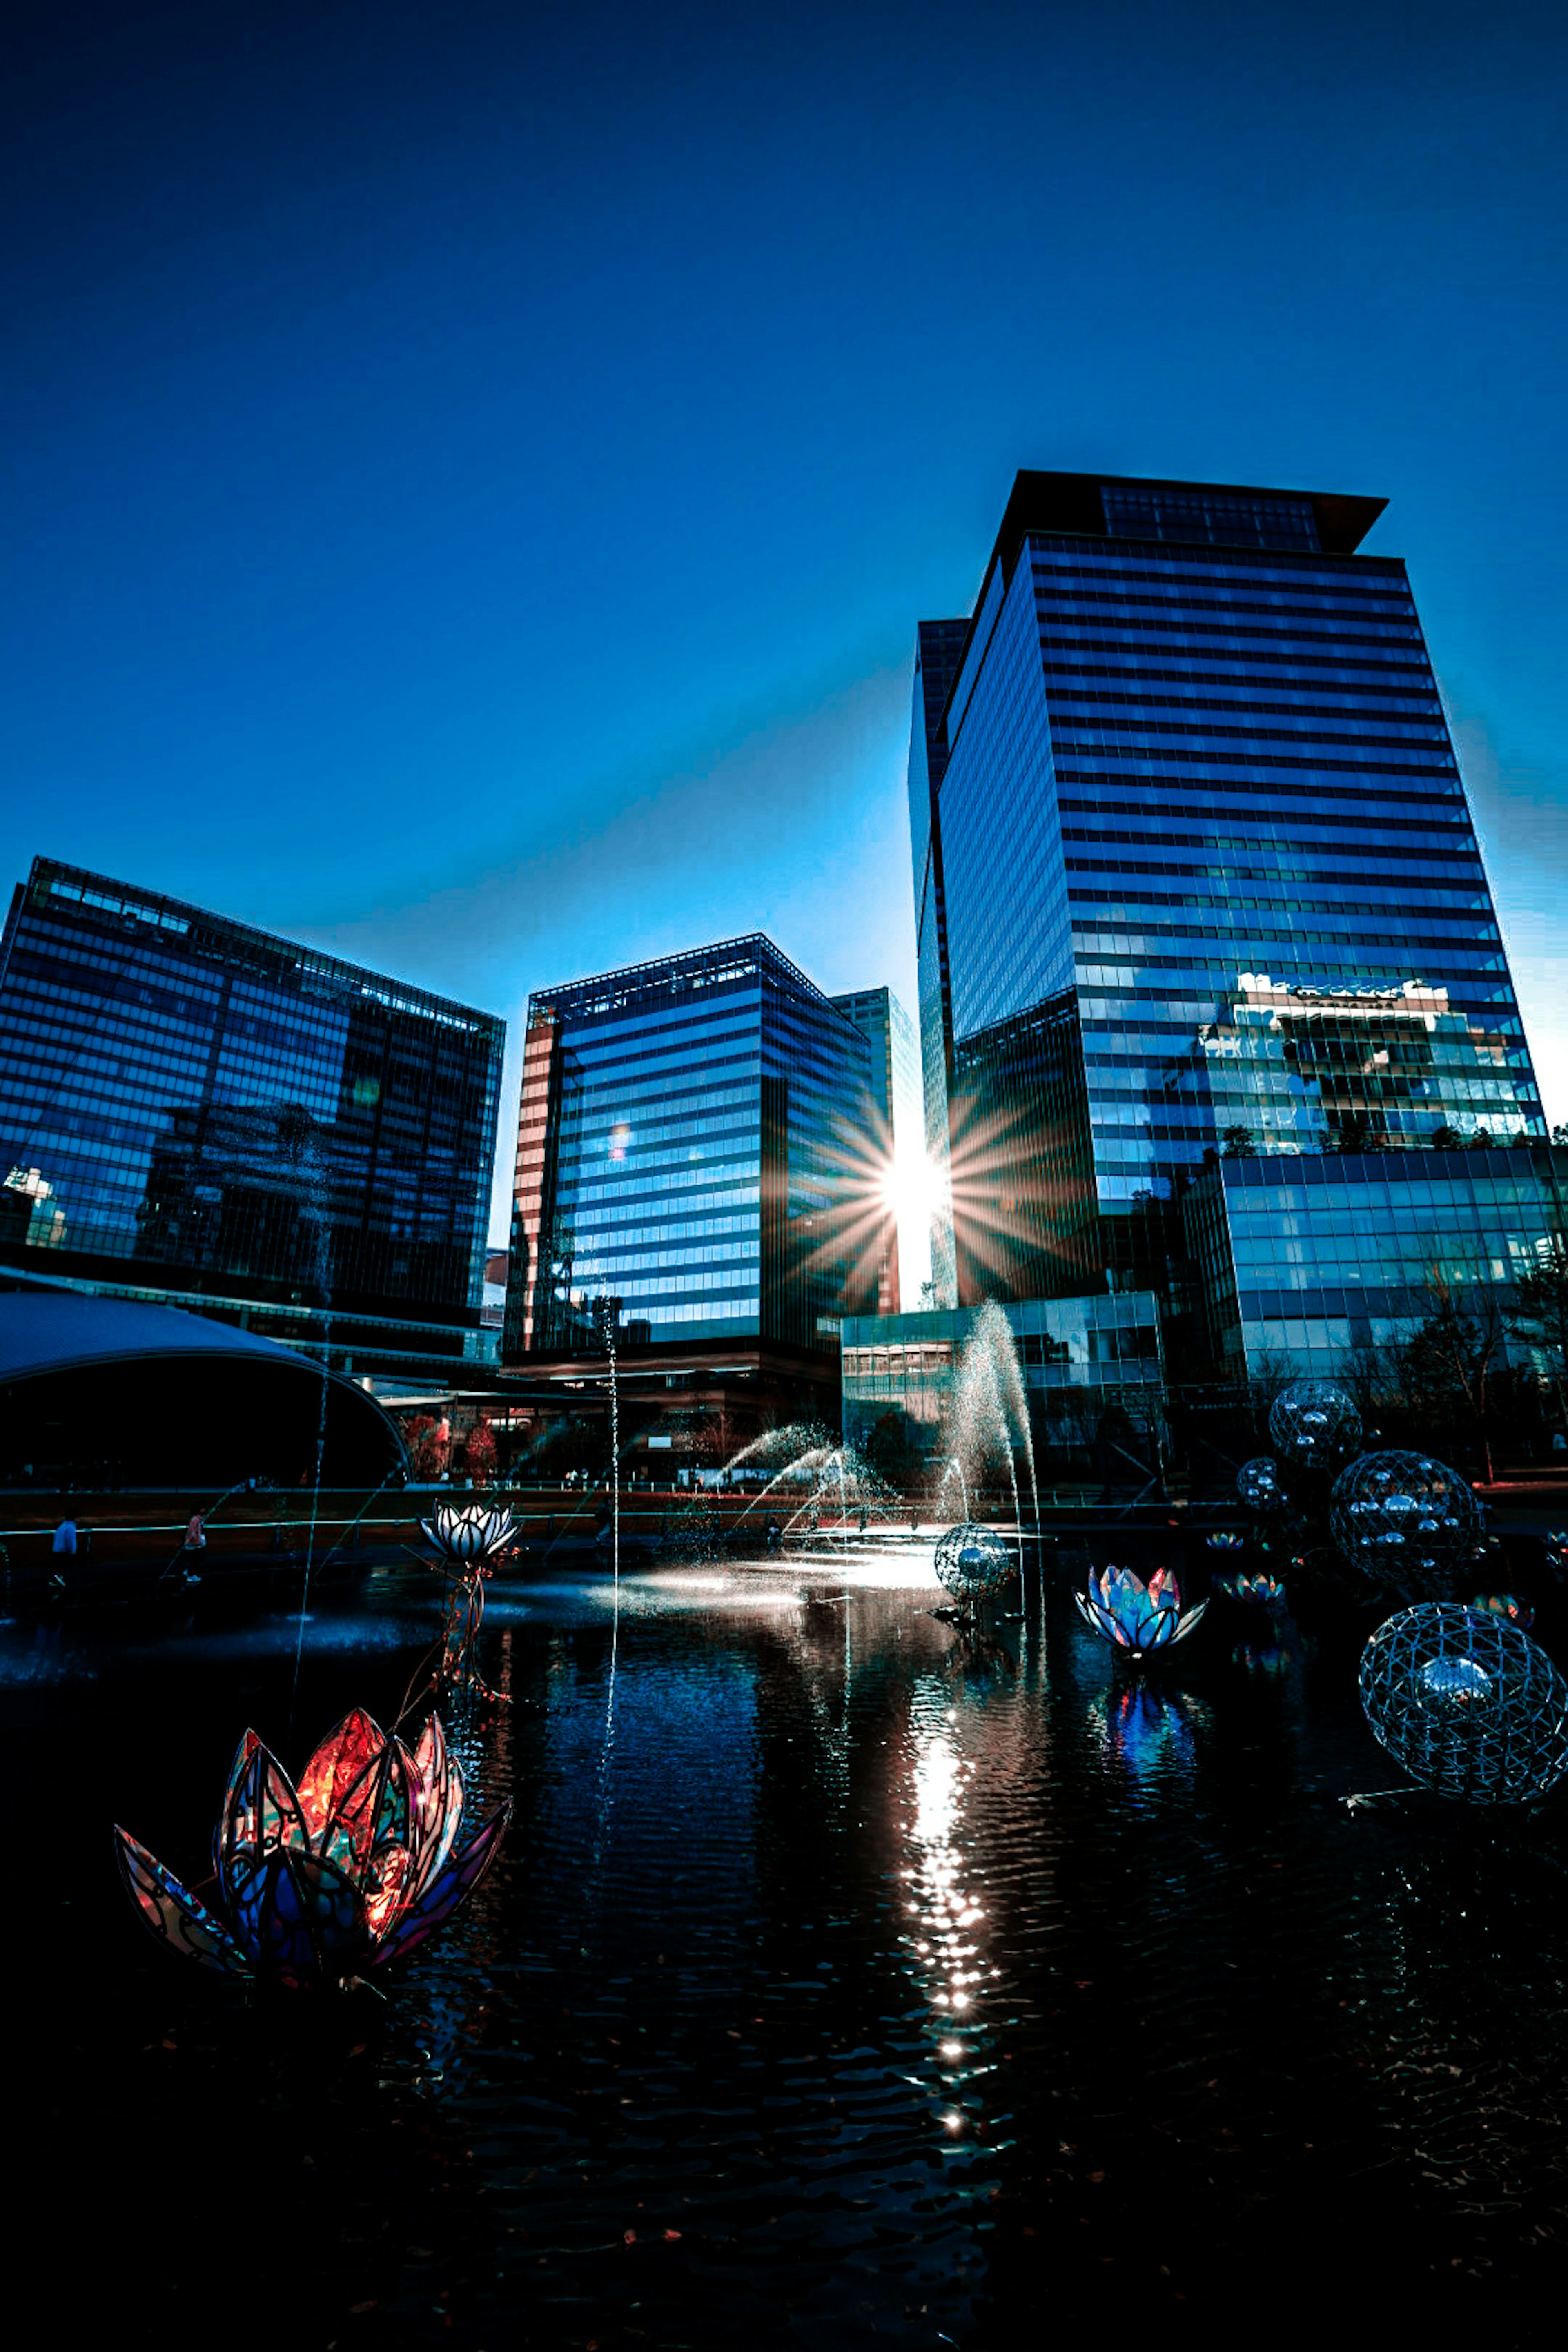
x: 1239, y: 1143
x: 1358, y: 1131
x: 481, y: 1448
x: 1446, y: 1137
x: 1452, y: 1363
x: 428, y: 1444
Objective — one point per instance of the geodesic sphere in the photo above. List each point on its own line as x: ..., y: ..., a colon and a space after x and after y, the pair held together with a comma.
x: 1259, y: 1486
x: 1468, y: 1703
x: 1404, y: 1518
x: 1314, y: 1423
x: 973, y: 1562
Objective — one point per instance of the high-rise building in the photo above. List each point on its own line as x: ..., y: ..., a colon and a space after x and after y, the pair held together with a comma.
x: 897, y: 1132
x: 692, y: 1143
x: 1195, y: 871
x: 196, y: 1112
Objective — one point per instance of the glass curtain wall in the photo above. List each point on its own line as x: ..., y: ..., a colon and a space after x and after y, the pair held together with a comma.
x: 1200, y: 745
x: 195, y: 1105
x: 686, y: 1151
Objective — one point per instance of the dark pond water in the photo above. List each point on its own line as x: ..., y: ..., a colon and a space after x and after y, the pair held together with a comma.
x: 844, y: 1981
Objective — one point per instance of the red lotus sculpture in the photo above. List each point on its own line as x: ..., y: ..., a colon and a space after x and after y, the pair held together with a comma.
x: 352, y: 1869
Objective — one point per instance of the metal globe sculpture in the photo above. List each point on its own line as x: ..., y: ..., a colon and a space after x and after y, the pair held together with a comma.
x: 1314, y: 1425
x: 972, y: 1562
x: 1468, y: 1703
x: 1404, y: 1519
x: 1259, y: 1484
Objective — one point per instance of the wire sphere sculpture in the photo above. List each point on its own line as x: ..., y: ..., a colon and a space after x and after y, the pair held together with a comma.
x: 1314, y: 1423
x: 1404, y: 1519
x: 1468, y: 1703
x: 1259, y: 1484
x: 972, y: 1562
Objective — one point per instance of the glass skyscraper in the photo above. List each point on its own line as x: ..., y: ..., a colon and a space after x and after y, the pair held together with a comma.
x: 195, y: 1111
x: 897, y: 1133
x: 694, y: 1147
x: 1195, y: 871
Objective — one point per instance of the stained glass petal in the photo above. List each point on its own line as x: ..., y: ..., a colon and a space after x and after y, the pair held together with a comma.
x: 371, y: 1811
x: 300, y: 1917
x: 175, y: 1917
x: 339, y: 1762
x: 441, y: 1898
x: 260, y: 1814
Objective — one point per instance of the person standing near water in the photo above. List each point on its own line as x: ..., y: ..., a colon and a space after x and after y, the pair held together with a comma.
x: 65, y: 1538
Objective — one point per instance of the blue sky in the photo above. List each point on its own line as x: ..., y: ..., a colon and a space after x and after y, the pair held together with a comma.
x: 472, y: 476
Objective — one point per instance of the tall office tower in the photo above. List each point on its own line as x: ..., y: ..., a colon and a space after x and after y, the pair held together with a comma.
x: 691, y: 1143
x: 938, y: 649
x: 897, y: 1128
x: 1199, y: 868
x: 197, y: 1112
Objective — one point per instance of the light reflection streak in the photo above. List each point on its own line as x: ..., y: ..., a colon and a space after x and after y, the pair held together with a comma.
x: 946, y: 1935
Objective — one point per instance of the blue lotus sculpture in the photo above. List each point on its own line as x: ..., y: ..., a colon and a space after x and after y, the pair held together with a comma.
x: 1137, y: 1618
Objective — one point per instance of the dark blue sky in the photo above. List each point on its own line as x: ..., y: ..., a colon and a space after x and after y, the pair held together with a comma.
x: 473, y: 476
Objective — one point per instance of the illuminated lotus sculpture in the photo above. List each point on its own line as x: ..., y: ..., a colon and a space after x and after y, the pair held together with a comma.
x: 353, y: 1868
x: 1138, y: 1618
x: 1468, y: 1703
x: 1226, y: 1539
x: 1314, y: 1423
x: 467, y: 1535
x: 1260, y: 1586
x: 467, y: 1539
x: 1506, y: 1605
x: 1404, y: 1519
x: 1259, y: 1484
x: 972, y: 1563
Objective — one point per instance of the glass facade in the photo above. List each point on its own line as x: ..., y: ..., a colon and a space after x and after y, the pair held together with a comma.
x: 903, y: 1255
x: 1076, y: 1356
x: 939, y: 648
x: 190, y: 1108
x: 1193, y: 768
x: 1304, y: 1261
x: 694, y: 1142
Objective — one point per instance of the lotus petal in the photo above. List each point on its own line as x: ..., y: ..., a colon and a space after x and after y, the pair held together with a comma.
x: 260, y: 1812
x: 300, y: 1917
x: 340, y: 1760
x: 1189, y: 1619
x: 374, y: 1811
x: 175, y: 1917
x: 442, y: 1794
x: 441, y: 1898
